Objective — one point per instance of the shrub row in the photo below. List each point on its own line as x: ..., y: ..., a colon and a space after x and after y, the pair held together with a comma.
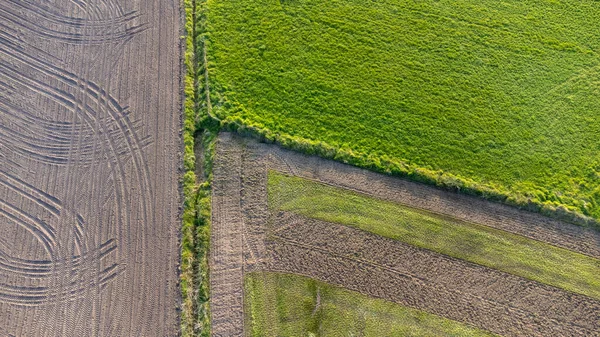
x: 194, y: 317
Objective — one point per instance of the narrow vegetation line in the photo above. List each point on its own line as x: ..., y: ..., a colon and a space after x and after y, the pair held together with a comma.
x: 199, y: 130
x: 206, y: 82
x: 394, y: 167
x: 188, y: 259
x: 202, y: 66
x: 202, y: 233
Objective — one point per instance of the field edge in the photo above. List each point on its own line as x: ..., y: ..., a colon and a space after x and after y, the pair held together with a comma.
x: 393, y: 167
x: 199, y: 139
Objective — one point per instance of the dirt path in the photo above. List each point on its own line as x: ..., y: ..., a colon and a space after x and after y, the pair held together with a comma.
x: 226, y: 253
x: 90, y: 152
x: 380, y: 267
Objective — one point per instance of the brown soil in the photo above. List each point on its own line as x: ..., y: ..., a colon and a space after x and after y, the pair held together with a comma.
x: 90, y: 149
x: 401, y: 273
x: 492, y: 300
x: 226, y: 241
x: 463, y: 207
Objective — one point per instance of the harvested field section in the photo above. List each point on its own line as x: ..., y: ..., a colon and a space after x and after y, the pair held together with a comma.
x: 226, y: 259
x: 89, y: 161
x: 419, y: 278
x: 276, y: 240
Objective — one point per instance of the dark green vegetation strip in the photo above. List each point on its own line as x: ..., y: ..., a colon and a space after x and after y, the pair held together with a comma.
x: 483, y: 245
x: 494, y: 98
x: 291, y: 305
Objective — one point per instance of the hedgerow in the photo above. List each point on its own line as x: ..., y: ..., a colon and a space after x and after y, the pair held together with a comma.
x: 195, y: 236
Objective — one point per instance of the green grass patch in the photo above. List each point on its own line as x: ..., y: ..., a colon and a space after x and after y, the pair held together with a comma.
x: 483, y: 245
x: 501, y: 96
x: 291, y: 305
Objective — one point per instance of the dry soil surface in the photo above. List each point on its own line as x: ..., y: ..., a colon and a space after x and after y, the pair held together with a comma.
x: 90, y: 149
x: 246, y: 236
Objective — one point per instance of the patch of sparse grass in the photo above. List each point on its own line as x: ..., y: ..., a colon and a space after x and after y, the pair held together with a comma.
x: 290, y: 305
x: 483, y: 245
x: 494, y: 98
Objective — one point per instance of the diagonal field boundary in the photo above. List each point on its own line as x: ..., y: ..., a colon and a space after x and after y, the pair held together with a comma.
x: 247, y: 237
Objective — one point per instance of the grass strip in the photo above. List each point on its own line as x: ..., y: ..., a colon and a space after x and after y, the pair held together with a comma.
x: 189, y: 184
x: 202, y: 234
x: 479, y: 244
x: 198, y: 129
x: 292, y: 305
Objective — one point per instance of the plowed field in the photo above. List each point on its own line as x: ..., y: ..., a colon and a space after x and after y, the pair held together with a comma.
x: 90, y: 148
x: 250, y: 234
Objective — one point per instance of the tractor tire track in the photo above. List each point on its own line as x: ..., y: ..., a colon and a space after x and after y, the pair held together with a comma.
x: 80, y: 170
x: 37, y: 20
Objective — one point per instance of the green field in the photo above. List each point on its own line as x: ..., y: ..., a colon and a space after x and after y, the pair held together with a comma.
x: 286, y: 305
x: 483, y: 245
x: 503, y: 95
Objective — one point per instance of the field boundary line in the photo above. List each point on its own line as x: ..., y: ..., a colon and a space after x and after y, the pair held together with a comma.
x: 437, y: 213
x: 443, y: 180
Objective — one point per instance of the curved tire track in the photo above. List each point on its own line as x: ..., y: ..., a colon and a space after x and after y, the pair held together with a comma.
x: 39, y: 278
x: 97, y: 246
x: 39, y: 21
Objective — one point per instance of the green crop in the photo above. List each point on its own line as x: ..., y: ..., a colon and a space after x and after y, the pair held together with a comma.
x: 500, y: 98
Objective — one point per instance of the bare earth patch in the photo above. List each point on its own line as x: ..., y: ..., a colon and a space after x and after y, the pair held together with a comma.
x: 90, y: 149
x: 247, y: 237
